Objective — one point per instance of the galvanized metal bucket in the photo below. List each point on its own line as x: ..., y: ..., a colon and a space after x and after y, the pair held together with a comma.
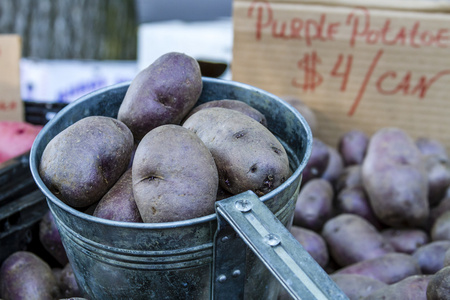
x: 232, y: 254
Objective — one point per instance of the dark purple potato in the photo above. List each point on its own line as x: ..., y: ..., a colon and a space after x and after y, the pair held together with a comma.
x: 352, y: 146
x: 335, y: 166
x: 314, y: 204
x: 429, y: 146
x: 162, y: 93
x: 50, y: 238
x: 431, y: 256
x: 118, y: 203
x: 389, y: 268
x: 441, y: 228
x: 232, y: 104
x: 354, y: 201
x: 406, y: 240
x: 350, y: 177
x: 439, y: 285
x: 411, y: 288
x: 313, y: 243
x: 351, y: 239
x: 357, y: 286
x: 82, y: 162
x: 318, y: 161
x: 24, y: 275
x: 247, y: 154
x: 68, y: 284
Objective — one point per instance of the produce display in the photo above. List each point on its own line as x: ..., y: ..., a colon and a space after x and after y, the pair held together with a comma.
x: 384, y: 219
x: 373, y: 211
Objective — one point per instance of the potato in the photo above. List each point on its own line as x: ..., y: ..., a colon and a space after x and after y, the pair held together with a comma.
x: 352, y: 146
x: 81, y: 163
x: 68, y: 284
x: 248, y: 156
x: 51, y: 239
x: 447, y: 258
x: 431, y: 256
x: 350, y: 177
x: 352, y: 239
x: 24, y: 275
x: 335, y: 166
x: 430, y: 146
x: 441, y: 228
x: 439, y: 285
x: 411, y: 288
x: 314, y: 204
x: 232, y: 104
x: 356, y: 286
x: 395, y: 180
x: 389, y: 268
x: 354, y: 201
x: 437, y: 211
x: 318, y: 161
x: 405, y: 240
x: 174, y: 176
x: 118, y: 203
x: 313, y: 243
x: 438, y: 178
x: 162, y: 93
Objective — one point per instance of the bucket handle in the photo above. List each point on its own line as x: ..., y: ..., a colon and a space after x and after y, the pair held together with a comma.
x: 247, y: 217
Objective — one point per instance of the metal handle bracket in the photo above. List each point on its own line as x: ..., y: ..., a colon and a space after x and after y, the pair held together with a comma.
x: 270, y: 240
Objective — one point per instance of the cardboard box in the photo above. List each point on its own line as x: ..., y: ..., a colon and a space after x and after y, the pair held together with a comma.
x: 383, y: 64
x: 11, y: 106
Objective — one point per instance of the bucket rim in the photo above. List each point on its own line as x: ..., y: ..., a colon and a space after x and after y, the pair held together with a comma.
x: 34, y: 160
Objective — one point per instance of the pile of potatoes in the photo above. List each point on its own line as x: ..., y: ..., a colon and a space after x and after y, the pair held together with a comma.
x: 374, y: 212
x: 43, y: 272
x: 165, y: 157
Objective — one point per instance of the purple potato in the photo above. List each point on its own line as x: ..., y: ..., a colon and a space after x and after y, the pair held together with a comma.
x: 356, y: 286
x: 439, y: 285
x: 431, y: 256
x: 335, y: 166
x: 24, y: 275
x: 318, y: 161
x: 81, y: 163
x: 232, y: 104
x: 307, y: 112
x: 351, y: 239
x: 313, y: 243
x: 118, y: 203
x: 406, y: 240
x: 162, y: 93
x: 441, y: 228
x: 50, y: 238
x: 352, y: 146
x: 354, y: 201
x: 314, y: 204
x: 389, y: 268
x: 411, y: 288
x: 438, y: 178
x: 350, y: 177
x: 68, y: 284
x: 430, y: 146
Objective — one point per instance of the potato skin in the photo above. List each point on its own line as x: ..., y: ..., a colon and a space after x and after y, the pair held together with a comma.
x: 352, y: 146
x: 232, y: 104
x: 406, y: 240
x: 166, y: 185
x: 51, y: 239
x: 23, y: 275
x: 357, y: 286
x: 352, y: 239
x: 439, y: 285
x: 318, y: 161
x: 82, y: 162
x: 431, y: 256
x: 248, y: 156
x: 441, y: 228
x: 314, y: 204
x: 411, y: 288
x: 313, y: 243
x: 162, y: 93
x: 118, y: 203
x: 389, y: 268
x: 395, y: 179
x: 335, y: 166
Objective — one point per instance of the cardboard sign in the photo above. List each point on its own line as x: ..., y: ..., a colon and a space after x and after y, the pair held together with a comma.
x: 11, y: 105
x: 356, y: 67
